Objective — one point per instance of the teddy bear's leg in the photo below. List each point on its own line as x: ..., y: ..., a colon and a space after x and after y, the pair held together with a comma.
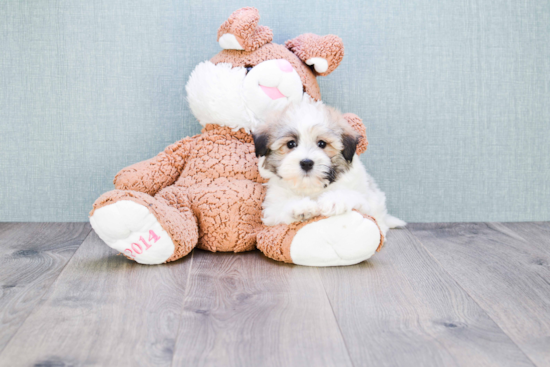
x: 340, y: 240
x: 228, y: 213
x: 149, y: 230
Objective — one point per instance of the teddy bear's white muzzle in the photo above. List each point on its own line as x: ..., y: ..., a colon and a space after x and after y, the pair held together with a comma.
x: 271, y: 85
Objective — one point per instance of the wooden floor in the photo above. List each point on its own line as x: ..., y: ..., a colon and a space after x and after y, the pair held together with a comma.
x: 463, y: 294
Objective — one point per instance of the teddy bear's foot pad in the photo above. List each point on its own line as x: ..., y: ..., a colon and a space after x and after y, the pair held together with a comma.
x: 345, y: 239
x: 131, y: 229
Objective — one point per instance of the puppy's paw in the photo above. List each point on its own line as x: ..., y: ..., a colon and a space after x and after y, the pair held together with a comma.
x: 363, y: 206
x: 329, y: 206
x: 341, y: 202
x: 305, y: 209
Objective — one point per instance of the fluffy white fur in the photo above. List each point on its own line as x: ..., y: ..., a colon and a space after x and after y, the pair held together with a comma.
x: 230, y: 96
x: 295, y: 195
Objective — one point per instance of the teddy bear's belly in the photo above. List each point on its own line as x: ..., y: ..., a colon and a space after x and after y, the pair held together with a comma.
x: 228, y: 212
x: 197, y: 172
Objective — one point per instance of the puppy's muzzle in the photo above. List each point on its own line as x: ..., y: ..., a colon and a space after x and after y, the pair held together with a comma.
x: 306, y: 164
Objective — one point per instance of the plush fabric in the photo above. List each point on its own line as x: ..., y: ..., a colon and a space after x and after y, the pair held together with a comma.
x: 272, y: 51
x: 243, y: 24
x: 180, y: 224
x: 152, y: 175
x: 339, y: 240
x: 357, y: 124
x: 205, y: 191
x: 275, y: 241
x: 218, y: 186
x: 309, y: 46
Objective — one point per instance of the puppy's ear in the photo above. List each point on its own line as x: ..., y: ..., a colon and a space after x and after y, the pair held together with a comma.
x: 261, y: 143
x: 350, y: 145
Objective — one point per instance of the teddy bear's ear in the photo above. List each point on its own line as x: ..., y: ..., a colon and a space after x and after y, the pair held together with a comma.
x: 242, y: 32
x: 357, y: 124
x: 324, y: 53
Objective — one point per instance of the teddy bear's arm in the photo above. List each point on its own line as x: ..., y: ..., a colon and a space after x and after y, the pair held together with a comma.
x: 152, y: 175
x: 357, y: 124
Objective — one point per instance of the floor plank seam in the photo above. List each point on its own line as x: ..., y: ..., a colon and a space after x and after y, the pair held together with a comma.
x: 46, y: 291
x: 335, y: 318
x: 183, y: 306
x: 469, y: 295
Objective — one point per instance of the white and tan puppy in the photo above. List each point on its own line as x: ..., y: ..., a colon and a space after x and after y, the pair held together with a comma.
x: 308, y: 154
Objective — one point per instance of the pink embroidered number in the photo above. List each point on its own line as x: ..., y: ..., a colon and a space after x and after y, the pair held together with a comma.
x: 136, y: 248
x: 153, y: 236
x: 147, y: 246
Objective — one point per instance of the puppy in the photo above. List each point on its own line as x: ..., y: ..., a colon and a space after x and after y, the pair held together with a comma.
x: 308, y: 154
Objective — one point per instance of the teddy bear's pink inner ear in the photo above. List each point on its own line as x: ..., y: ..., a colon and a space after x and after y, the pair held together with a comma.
x: 323, y: 53
x: 241, y: 31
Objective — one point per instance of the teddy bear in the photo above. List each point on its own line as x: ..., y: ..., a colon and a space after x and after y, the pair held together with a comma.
x: 205, y: 191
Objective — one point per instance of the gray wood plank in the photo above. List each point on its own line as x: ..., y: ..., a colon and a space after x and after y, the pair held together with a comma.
x: 506, y: 275
x: 104, y: 310
x: 247, y: 310
x: 537, y: 234
x: 401, y: 308
x: 32, y: 255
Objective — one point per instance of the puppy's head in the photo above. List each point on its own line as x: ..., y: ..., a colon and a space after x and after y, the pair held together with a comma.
x: 308, y: 145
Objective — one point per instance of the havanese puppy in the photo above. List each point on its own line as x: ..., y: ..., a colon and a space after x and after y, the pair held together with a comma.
x: 308, y: 154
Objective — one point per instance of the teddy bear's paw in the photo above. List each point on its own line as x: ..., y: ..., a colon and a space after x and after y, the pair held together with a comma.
x: 345, y: 239
x: 133, y: 230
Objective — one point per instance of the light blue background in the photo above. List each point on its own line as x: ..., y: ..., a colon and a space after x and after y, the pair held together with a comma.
x: 455, y: 95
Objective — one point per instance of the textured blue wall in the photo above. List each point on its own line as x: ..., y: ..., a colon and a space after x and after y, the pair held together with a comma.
x: 455, y: 96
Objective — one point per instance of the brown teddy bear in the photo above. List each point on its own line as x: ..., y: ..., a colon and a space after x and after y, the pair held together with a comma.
x: 205, y: 191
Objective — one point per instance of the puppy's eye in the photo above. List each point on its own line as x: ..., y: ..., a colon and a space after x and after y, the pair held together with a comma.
x: 321, y: 144
x: 248, y: 68
x: 291, y: 144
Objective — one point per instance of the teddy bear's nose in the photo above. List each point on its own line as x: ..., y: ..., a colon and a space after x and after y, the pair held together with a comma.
x: 284, y: 66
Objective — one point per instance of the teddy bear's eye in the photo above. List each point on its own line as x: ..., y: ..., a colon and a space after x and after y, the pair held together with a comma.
x: 248, y: 68
x: 321, y: 144
x: 291, y: 144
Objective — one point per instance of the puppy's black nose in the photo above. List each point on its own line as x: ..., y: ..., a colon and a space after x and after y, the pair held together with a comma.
x: 306, y: 164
